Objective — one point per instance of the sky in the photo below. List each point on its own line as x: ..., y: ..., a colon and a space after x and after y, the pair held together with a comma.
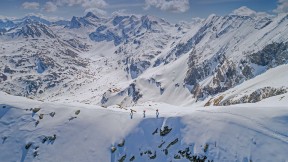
x: 170, y: 10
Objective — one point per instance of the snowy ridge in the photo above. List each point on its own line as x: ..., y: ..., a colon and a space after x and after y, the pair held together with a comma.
x: 242, y: 133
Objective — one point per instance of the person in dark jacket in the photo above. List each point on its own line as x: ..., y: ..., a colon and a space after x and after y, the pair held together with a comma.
x: 131, y: 113
x: 157, y: 113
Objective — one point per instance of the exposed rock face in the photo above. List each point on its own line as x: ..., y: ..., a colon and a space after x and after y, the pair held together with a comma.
x: 196, y: 72
x: 77, y: 44
x: 99, y: 36
x: 34, y: 29
x: 272, y: 55
x: 37, y: 70
x: 223, y: 76
x: 137, y: 68
x: 247, y: 72
x: 3, y: 77
x: 131, y: 93
x: 253, y: 97
x: 104, y: 99
x: 226, y: 76
x: 134, y: 93
x: 227, y: 73
x: 6, y: 24
x: 124, y: 28
x: 78, y: 22
x: 256, y: 96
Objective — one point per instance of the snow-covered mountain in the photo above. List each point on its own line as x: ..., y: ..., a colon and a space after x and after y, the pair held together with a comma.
x: 132, y: 59
x: 30, y: 28
x: 141, y: 62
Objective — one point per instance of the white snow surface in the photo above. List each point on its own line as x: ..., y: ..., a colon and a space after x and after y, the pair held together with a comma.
x: 256, y: 132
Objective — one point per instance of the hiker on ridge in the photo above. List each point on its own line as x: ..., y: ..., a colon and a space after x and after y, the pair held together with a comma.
x: 131, y: 113
x: 157, y: 113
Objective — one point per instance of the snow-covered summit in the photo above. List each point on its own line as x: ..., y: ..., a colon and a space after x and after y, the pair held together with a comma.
x: 245, y: 11
x: 129, y: 51
x: 31, y: 28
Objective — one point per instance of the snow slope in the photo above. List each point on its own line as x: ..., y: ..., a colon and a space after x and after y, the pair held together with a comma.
x: 235, y: 133
x: 269, y: 84
x: 86, y: 74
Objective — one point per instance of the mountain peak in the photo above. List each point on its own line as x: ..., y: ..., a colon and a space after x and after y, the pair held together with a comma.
x: 74, y: 23
x: 34, y: 18
x: 33, y: 29
x: 91, y: 14
x: 244, y: 11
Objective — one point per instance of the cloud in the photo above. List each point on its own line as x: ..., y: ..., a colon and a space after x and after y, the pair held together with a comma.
x: 50, y: 7
x: 216, y: 1
x: 195, y: 20
x: 168, y: 5
x: 86, y: 4
x: 126, y: 5
x: 119, y: 12
x: 31, y: 5
x: 95, y: 6
x: 49, y: 18
x: 282, y: 6
x: 96, y: 11
x: 2, y: 17
x: 245, y: 11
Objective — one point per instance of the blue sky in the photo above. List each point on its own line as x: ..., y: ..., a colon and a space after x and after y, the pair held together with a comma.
x: 171, y: 10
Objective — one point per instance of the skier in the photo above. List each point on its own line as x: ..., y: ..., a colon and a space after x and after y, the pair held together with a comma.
x: 144, y: 114
x: 157, y: 113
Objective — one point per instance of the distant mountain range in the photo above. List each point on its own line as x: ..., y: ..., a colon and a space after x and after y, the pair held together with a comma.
x: 132, y: 59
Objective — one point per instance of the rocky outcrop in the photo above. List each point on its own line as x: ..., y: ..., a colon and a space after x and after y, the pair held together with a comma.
x: 256, y: 96
x: 130, y: 94
x: 228, y: 73
x: 39, y: 69
x: 108, y: 36
x: 223, y: 76
x: 272, y: 55
x: 3, y: 77
x: 134, y: 93
x: 34, y: 29
x: 78, y: 22
x: 137, y: 68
